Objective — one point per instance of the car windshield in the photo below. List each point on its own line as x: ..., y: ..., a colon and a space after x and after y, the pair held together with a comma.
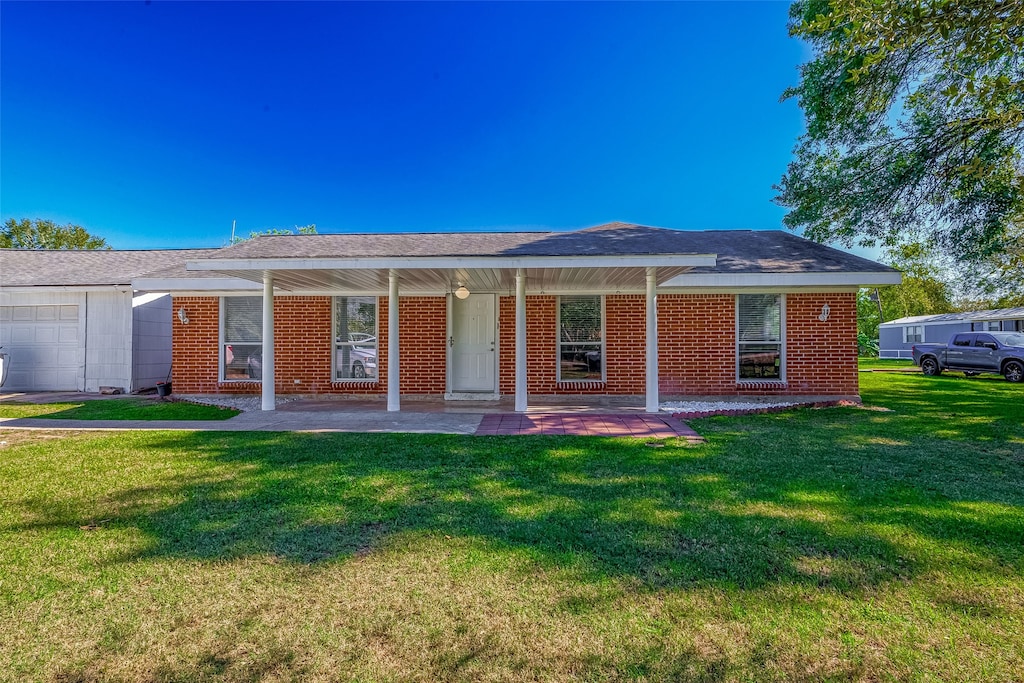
x: 1009, y: 338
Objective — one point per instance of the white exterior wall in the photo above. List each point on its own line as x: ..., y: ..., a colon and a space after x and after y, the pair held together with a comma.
x: 151, y: 339
x: 108, y: 340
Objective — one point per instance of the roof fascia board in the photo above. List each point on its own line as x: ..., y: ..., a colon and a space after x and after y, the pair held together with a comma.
x: 733, y: 280
x: 778, y: 289
x: 198, y: 284
x: 29, y: 289
x: 427, y: 262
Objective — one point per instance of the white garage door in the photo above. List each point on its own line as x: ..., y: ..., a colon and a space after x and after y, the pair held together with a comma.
x: 43, y: 347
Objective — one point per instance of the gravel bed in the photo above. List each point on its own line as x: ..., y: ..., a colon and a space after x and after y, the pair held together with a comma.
x: 247, y: 404
x: 689, y: 410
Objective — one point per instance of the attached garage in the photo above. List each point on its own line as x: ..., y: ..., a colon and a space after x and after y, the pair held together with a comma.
x: 70, y: 320
x: 45, y: 347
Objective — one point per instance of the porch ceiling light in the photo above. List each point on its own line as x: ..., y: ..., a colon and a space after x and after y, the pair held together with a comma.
x: 462, y: 292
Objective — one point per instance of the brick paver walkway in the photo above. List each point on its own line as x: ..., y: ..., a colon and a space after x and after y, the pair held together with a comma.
x: 645, y: 426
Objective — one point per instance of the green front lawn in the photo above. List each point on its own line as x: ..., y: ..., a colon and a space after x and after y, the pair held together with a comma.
x: 833, y: 544
x: 886, y: 364
x: 117, y: 409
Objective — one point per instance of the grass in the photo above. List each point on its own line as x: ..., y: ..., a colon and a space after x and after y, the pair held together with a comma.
x: 837, y: 544
x: 886, y: 363
x: 117, y: 409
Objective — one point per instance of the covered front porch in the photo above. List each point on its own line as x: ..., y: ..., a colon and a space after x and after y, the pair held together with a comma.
x: 462, y: 279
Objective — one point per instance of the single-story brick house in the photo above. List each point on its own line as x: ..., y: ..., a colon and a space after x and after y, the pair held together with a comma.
x: 70, y: 320
x: 617, y: 309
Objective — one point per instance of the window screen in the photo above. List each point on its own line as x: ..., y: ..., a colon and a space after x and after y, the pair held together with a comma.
x: 759, y: 334
x: 242, y: 332
x: 355, y: 337
x: 580, y: 339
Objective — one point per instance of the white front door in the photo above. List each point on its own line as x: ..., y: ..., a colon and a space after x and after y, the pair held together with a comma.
x: 472, y: 347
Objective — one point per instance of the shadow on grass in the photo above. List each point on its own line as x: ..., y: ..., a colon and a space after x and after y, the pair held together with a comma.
x: 809, y: 497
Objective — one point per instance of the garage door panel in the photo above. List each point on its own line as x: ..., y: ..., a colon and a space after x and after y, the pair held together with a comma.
x: 68, y: 334
x: 44, y: 346
x: 67, y: 357
x: 46, y: 334
x: 22, y: 334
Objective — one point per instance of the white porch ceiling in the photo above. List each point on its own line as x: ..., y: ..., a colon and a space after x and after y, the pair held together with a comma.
x: 438, y: 280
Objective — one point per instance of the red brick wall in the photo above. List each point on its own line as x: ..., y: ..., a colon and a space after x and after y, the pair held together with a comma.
x: 697, y: 344
x: 821, y: 357
x: 422, y: 342
x: 303, y: 347
x: 194, y: 352
x: 696, y: 347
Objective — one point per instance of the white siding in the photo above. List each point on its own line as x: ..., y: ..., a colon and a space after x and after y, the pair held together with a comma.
x: 108, y: 341
x: 151, y: 336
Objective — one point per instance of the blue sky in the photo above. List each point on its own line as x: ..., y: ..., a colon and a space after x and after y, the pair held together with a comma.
x: 157, y: 125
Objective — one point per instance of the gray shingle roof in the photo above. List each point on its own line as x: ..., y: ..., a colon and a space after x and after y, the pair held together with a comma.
x: 739, y: 251
x: 45, y: 267
x: 977, y: 316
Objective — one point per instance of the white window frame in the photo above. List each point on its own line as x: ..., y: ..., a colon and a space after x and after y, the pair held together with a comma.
x: 222, y: 320
x: 335, y: 343
x: 558, y: 341
x: 781, y: 379
x: 906, y: 334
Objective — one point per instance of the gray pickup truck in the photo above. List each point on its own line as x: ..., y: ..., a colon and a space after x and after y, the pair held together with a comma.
x: 973, y: 353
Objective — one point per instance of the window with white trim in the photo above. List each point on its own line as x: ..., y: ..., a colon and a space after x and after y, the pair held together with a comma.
x: 987, y: 326
x: 355, y: 338
x: 913, y: 334
x: 759, y: 341
x: 241, y: 338
x: 580, y: 339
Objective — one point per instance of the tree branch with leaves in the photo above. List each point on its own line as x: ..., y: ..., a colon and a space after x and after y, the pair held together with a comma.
x: 915, y: 119
x: 43, y: 234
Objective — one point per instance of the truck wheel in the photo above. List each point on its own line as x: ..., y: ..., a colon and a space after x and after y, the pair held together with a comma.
x: 1014, y: 371
x: 930, y: 366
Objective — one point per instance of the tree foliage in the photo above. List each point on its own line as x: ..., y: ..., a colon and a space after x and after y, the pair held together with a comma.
x: 915, y: 118
x: 998, y: 280
x: 298, y: 230
x: 43, y: 234
x: 923, y: 291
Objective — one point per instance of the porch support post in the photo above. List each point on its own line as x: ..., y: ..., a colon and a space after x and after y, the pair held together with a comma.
x: 652, y: 340
x: 393, y: 400
x: 520, y: 341
x: 268, y: 398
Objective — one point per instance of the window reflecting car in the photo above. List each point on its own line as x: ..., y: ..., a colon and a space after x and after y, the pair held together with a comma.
x: 243, y: 361
x: 358, y: 358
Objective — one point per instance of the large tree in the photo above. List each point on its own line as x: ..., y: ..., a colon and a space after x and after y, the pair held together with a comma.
x: 915, y: 119
x: 43, y: 234
x: 924, y: 291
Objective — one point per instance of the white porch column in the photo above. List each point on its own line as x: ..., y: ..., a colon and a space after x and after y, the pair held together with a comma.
x: 652, y: 340
x: 520, y: 341
x: 393, y: 400
x: 268, y: 398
